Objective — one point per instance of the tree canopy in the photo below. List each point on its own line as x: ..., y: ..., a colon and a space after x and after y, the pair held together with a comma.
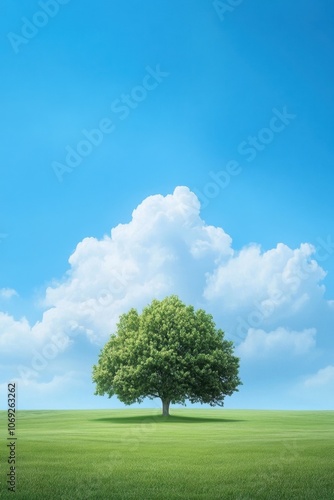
x: 170, y: 351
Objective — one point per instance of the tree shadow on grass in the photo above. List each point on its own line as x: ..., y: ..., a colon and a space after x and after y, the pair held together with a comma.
x: 172, y: 419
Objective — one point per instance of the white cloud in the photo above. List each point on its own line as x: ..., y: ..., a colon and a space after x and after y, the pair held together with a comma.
x: 324, y: 377
x: 15, y: 335
x: 7, y: 293
x: 280, y: 280
x: 55, y: 384
x: 46, y: 393
x: 260, y: 344
x: 167, y: 248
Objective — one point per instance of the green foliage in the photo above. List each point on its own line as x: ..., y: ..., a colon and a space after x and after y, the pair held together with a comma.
x: 171, y: 352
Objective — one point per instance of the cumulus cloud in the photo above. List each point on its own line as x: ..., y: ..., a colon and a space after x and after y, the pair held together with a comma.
x: 313, y: 391
x: 7, y: 293
x: 46, y: 394
x: 271, y: 301
x: 167, y: 248
x: 259, y: 344
x: 15, y: 335
x: 323, y: 378
x: 55, y: 383
x: 281, y: 279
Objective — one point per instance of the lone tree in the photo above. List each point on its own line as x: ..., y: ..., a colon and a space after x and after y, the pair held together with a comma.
x: 171, y: 352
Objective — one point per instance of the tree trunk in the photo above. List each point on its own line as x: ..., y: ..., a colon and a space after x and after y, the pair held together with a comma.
x: 165, y: 407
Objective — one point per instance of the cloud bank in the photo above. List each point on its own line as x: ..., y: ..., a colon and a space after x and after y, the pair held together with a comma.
x: 268, y: 302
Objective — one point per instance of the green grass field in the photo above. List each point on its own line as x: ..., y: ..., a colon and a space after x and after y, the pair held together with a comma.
x: 196, y: 454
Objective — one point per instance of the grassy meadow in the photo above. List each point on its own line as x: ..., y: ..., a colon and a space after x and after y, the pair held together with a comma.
x: 195, y: 454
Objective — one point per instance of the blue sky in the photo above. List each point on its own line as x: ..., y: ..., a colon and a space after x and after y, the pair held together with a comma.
x: 233, y: 105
